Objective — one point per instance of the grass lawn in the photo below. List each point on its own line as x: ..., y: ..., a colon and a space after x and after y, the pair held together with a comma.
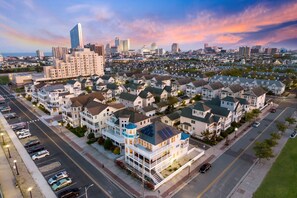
x: 281, y: 180
x: 4, y: 80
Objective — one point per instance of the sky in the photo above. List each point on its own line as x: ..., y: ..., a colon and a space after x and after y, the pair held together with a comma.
x: 28, y: 25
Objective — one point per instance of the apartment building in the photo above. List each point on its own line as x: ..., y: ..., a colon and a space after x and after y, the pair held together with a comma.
x: 80, y: 63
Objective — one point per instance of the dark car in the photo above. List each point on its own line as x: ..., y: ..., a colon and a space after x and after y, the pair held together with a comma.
x: 69, y: 193
x: 35, y: 149
x: 10, y: 116
x: 31, y: 143
x: 273, y: 110
x: 205, y: 167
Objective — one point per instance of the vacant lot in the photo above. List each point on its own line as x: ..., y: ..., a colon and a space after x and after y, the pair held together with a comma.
x: 281, y: 179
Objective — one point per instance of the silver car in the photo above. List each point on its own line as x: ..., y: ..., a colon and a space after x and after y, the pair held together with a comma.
x: 57, y: 177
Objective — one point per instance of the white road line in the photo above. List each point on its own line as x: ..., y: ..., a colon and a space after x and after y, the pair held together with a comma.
x: 43, y: 162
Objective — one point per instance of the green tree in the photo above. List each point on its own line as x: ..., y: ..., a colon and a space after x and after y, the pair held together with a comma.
x: 206, y: 135
x: 107, y: 144
x: 197, y: 97
x: 281, y: 127
x: 290, y: 120
x: 157, y: 99
x: 271, y: 142
x: 91, y: 136
x: 263, y: 150
x: 275, y: 136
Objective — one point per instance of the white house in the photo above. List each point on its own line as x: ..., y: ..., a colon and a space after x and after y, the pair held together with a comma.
x: 234, y: 90
x: 147, y: 98
x: 130, y: 100
x: 95, y: 115
x: 211, y: 90
x: 256, y: 97
x: 194, y: 88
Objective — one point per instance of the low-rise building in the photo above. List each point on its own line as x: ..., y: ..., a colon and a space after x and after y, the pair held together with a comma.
x: 130, y: 100
x: 172, y: 118
x: 211, y: 90
x: 194, y: 88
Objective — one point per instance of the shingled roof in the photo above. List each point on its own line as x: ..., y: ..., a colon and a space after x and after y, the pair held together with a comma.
x: 128, y: 96
x: 130, y: 113
x: 236, y: 88
x: 82, y: 100
x: 199, y: 83
x: 201, y: 107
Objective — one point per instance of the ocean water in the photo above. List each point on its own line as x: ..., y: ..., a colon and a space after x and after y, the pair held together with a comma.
x: 17, y: 54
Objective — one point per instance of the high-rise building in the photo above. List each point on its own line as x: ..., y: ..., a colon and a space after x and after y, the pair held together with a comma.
x: 99, y: 49
x: 79, y: 63
x: 160, y: 51
x: 107, y: 49
x: 174, y: 48
x: 116, y: 41
x: 76, y: 37
x: 58, y: 52
x: 205, y: 45
x: 154, y: 46
x: 245, y: 51
x: 125, y: 45
x: 40, y: 54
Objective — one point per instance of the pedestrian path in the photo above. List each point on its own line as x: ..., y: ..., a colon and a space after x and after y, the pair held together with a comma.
x: 7, y: 179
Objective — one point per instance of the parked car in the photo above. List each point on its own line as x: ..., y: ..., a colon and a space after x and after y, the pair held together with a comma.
x: 31, y: 143
x: 205, y: 167
x: 273, y: 110
x: 61, y: 183
x: 57, y: 177
x: 35, y: 149
x: 10, y: 116
x: 256, y: 124
x: 24, y: 135
x: 5, y: 109
x: 22, y: 131
x: 69, y: 193
x: 293, y: 135
x: 40, y: 154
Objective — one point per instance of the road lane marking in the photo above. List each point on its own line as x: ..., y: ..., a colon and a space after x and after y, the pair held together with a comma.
x: 236, y: 159
x: 104, y: 191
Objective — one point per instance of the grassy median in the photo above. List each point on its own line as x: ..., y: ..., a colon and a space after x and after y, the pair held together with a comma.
x: 282, y: 177
x: 4, y: 80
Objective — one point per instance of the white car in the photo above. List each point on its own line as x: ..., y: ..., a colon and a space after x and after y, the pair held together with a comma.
x: 256, y: 124
x: 22, y: 131
x: 24, y: 135
x: 57, y: 177
x: 40, y: 154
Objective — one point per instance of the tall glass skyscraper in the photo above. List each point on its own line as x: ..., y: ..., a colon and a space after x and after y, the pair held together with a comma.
x: 76, y: 37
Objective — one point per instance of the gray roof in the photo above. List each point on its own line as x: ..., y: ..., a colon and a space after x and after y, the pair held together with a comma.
x: 157, y: 133
x: 209, y: 118
x: 148, y: 108
x: 53, y: 87
x: 242, y: 101
x: 183, y: 81
x: 174, y: 115
x: 216, y: 85
x: 230, y: 99
x: 95, y: 108
x: 154, y: 91
x: 236, y: 88
x: 128, y: 96
x: 112, y: 86
x: 201, y: 107
x: 199, y: 83
x: 130, y: 113
x: 71, y: 82
x: 143, y: 94
x: 258, y: 91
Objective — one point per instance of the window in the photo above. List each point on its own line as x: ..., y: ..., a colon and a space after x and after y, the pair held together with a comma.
x: 193, y: 121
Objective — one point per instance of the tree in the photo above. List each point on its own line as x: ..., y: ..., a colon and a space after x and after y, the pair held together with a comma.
x: 275, y: 136
x: 172, y: 100
x: 263, y: 150
x: 206, y: 135
x: 107, y: 144
x: 157, y: 99
x: 271, y: 142
x: 91, y: 136
x: 169, y: 109
x: 197, y: 97
x: 281, y: 127
x: 290, y: 120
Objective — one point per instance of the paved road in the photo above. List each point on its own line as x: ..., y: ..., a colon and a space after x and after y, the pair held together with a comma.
x: 231, y: 166
x: 82, y: 172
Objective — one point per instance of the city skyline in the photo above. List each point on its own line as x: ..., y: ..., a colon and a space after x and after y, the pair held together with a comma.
x: 42, y: 25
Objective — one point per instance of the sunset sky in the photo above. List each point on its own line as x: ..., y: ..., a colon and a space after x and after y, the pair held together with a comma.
x: 28, y: 25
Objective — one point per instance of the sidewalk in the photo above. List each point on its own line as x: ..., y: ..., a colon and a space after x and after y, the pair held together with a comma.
x: 7, y: 178
x: 254, y: 177
x: 94, y: 154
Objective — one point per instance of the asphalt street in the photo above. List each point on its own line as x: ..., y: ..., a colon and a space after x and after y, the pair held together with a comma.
x: 232, y: 165
x: 81, y: 171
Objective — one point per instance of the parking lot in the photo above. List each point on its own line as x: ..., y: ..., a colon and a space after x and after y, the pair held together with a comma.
x: 49, y: 165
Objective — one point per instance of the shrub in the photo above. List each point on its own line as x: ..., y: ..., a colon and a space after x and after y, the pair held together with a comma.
x: 107, y: 144
x: 91, y: 136
x: 101, y: 141
x: 175, y: 169
x: 224, y: 134
x: 112, y: 147
x: 91, y: 141
x: 117, y: 150
x: 149, y: 186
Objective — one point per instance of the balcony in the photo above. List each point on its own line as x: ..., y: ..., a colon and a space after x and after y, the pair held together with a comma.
x: 149, y: 153
x: 151, y: 164
x: 113, y: 135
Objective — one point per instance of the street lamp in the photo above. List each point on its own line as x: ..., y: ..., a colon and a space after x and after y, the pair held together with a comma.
x: 158, y: 193
x: 16, y: 167
x: 2, y: 135
x: 30, y: 191
x: 86, y: 189
x: 60, y: 127
x: 9, y: 155
x: 235, y: 130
